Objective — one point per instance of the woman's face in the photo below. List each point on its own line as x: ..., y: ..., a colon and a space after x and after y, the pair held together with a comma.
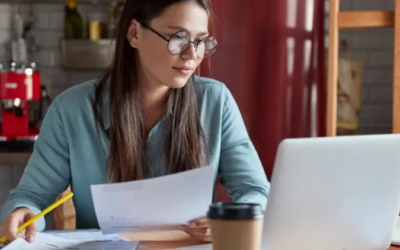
x: 158, y: 66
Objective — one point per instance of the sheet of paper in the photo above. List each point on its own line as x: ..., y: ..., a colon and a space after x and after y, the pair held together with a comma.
x: 199, y: 247
x: 111, y: 245
x: 49, y: 242
x: 86, y: 235
x: 155, y: 204
x: 42, y: 242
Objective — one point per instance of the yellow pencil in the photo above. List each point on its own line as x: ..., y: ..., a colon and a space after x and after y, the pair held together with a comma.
x: 43, y: 213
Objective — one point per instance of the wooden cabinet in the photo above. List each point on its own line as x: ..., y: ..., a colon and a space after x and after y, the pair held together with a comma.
x: 356, y: 20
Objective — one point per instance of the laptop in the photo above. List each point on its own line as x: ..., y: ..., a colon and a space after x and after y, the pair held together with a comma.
x: 334, y: 193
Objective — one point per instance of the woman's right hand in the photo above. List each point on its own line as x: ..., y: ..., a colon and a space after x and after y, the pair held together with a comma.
x: 16, y: 219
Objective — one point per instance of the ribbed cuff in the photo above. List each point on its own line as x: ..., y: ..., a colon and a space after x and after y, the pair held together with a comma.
x: 40, y: 223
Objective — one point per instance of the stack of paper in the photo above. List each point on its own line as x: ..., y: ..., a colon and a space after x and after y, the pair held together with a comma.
x: 162, y: 203
x: 49, y: 242
x: 86, y: 235
x: 148, y: 205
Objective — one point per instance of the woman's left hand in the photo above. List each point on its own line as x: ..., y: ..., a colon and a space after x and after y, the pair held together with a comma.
x: 198, y: 229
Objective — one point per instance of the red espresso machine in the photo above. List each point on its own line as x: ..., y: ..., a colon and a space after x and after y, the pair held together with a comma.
x: 20, y: 87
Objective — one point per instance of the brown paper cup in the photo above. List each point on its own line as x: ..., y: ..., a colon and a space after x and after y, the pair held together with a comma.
x: 236, y: 226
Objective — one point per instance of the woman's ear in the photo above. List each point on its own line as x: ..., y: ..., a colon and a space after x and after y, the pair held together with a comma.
x: 133, y: 33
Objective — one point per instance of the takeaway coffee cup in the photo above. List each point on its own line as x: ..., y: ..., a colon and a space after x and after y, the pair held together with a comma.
x: 236, y: 226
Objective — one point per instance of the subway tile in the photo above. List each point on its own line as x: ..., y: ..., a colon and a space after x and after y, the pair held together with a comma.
x: 374, y: 130
x: 53, y: 78
x: 5, y: 20
x: 42, y: 21
x: 57, y: 90
x: 5, y: 36
x: 350, y: 37
x: 57, y: 20
x: 6, y: 176
x: 48, y: 7
x: 346, y: 5
x: 22, y: 8
x: 41, y: 58
x: 378, y: 39
x: 4, y: 57
x: 5, y: 7
x: 49, y: 39
x: 17, y: 171
x: 4, y: 193
x: 376, y: 112
x: 390, y: 4
x: 388, y: 75
x: 75, y: 78
x: 373, y: 76
x: 379, y: 94
x: 370, y: 4
x: 361, y: 55
x: 46, y: 58
x: 54, y: 58
x: 49, y: 89
x: 380, y: 58
x: 3, y: 197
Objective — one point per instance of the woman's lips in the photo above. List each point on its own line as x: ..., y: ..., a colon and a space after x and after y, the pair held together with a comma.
x: 184, y: 70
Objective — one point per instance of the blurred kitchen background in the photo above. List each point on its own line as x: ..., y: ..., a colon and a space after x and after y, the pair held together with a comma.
x: 69, y: 45
x: 276, y: 49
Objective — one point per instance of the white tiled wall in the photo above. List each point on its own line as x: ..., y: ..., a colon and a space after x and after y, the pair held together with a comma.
x: 48, y: 28
x: 9, y: 178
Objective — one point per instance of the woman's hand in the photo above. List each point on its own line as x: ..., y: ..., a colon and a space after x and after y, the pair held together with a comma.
x: 198, y: 229
x: 16, y: 219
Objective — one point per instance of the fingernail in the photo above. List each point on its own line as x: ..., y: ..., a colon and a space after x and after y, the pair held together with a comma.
x: 192, y: 224
x: 30, y: 238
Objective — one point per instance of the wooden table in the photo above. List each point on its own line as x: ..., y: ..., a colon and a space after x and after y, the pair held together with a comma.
x: 171, y: 246
x: 171, y: 240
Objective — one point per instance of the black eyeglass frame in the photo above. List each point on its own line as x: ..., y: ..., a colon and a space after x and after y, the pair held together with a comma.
x: 195, y: 44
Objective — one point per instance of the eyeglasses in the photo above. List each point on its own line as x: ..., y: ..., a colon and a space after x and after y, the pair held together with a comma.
x: 180, y: 41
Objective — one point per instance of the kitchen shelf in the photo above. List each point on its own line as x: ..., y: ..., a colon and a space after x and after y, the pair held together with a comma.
x: 86, y: 54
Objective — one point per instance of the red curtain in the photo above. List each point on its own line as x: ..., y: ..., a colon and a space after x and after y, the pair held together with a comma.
x: 271, y: 56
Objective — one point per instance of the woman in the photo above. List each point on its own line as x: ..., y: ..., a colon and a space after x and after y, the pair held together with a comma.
x: 148, y: 116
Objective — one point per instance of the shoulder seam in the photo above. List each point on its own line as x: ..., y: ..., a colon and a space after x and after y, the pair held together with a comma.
x: 244, y: 141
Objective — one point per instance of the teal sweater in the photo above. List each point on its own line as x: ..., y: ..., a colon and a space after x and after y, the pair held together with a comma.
x: 68, y: 151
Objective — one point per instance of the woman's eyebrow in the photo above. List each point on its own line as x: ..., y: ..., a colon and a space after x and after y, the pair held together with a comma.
x: 204, y: 33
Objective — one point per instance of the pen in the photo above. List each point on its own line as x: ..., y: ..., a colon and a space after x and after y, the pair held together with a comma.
x: 44, y: 212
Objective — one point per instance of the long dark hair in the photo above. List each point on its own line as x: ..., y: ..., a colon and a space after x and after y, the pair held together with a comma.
x: 186, y: 142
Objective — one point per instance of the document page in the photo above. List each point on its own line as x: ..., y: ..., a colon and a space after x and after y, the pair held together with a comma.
x: 86, y: 235
x: 49, y: 242
x: 41, y: 242
x: 155, y: 204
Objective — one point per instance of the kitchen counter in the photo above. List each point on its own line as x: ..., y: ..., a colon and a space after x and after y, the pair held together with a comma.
x: 15, y: 153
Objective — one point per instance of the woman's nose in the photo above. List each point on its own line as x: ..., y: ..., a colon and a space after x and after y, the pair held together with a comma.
x: 190, y: 52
